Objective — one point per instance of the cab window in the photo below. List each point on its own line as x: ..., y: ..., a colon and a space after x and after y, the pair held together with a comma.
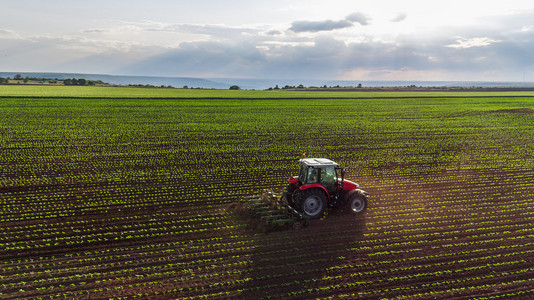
x: 328, y: 175
x: 303, y: 174
x: 313, y: 175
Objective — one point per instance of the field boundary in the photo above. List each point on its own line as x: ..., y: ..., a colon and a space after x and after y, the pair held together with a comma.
x: 269, y: 98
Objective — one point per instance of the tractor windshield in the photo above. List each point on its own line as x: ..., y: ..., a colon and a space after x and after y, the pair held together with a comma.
x: 313, y: 175
x: 328, y: 175
x: 308, y: 174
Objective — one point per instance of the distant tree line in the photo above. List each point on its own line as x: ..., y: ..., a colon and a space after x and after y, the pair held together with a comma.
x: 82, y: 81
x: 151, y: 86
x: 301, y: 86
x: 70, y: 81
x: 287, y: 87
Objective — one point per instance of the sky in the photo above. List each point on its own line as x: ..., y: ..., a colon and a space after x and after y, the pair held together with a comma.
x: 468, y: 40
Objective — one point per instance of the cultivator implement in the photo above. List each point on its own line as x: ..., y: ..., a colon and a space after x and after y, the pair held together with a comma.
x: 266, y: 212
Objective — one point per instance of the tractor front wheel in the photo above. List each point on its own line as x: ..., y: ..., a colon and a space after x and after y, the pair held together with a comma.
x: 312, y: 203
x: 356, y: 203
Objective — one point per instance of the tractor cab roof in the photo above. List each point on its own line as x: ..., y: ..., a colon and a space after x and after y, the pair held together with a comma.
x: 318, y: 162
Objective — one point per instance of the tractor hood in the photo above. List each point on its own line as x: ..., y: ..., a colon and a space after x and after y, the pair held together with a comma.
x: 349, y: 185
x: 294, y: 180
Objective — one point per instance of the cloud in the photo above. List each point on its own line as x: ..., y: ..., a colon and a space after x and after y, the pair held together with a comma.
x: 215, y: 31
x: 173, y: 33
x: 201, y: 59
x: 464, y: 43
x: 97, y: 30
x: 268, y: 59
x: 315, y: 26
x: 320, y: 57
x: 274, y: 32
x: 329, y: 25
x: 358, y: 17
x: 400, y: 17
x: 9, y: 34
x: 401, y: 74
x: 68, y: 53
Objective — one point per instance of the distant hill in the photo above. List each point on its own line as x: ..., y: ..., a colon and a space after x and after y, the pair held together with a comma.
x: 257, y: 84
x: 177, y: 82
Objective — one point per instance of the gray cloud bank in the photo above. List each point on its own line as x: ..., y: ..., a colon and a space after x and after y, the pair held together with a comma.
x: 499, y: 49
x: 329, y: 25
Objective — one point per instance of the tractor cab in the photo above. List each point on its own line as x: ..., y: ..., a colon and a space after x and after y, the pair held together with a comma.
x: 322, y: 171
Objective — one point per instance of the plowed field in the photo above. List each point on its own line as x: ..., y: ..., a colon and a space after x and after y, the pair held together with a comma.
x: 127, y: 197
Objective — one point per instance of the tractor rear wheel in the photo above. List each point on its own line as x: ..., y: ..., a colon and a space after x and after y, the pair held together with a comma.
x: 356, y: 203
x: 312, y: 203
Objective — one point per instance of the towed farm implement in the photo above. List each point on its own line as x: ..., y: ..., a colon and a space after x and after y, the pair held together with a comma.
x: 320, y: 185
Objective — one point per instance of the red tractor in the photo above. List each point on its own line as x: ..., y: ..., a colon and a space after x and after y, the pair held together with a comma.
x: 321, y: 184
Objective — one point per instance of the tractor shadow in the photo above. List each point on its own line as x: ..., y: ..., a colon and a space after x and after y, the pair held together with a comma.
x: 292, y: 263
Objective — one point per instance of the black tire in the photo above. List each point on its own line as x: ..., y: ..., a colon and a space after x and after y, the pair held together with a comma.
x: 356, y: 203
x: 312, y: 203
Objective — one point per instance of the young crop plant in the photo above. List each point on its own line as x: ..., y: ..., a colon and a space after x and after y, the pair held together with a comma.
x: 123, y: 193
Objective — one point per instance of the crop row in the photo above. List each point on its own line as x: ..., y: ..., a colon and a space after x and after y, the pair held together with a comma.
x: 110, y: 198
